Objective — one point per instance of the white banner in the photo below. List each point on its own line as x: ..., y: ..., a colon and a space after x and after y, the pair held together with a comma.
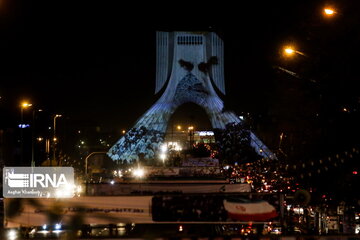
x: 99, y: 210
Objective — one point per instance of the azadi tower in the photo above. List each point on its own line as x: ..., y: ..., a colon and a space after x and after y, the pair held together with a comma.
x: 189, y: 66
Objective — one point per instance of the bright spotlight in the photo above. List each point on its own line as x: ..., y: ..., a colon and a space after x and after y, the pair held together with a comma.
x: 12, y: 234
x: 57, y: 226
x: 139, y: 173
x: 289, y: 50
x: 163, y: 156
x: 163, y: 148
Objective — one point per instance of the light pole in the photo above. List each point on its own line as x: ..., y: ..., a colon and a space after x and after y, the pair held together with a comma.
x: 32, y: 137
x: 86, y: 168
x: 23, y: 106
x: 54, y: 139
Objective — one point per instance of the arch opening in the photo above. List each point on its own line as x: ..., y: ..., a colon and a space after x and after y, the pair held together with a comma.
x: 186, y: 124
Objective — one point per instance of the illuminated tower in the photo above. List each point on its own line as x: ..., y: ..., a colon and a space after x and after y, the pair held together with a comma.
x: 189, y: 65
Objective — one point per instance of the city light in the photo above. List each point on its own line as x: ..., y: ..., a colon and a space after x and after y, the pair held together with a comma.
x: 118, y: 173
x: 25, y: 104
x: 79, y: 189
x: 329, y: 11
x: 173, y: 146
x: 163, y: 148
x: 289, y: 51
x: 12, y: 234
x: 57, y: 226
x: 206, y: 133
x: 163, y: 157
x: 178, y: 127
x: 138, y: 173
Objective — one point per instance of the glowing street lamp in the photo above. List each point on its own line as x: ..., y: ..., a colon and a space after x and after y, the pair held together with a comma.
x: 178, y: 127
x: 25, y: 104
x: 329, y: 12
x: 138, y: 173
x: 54, y: 139
x: 290, y: 51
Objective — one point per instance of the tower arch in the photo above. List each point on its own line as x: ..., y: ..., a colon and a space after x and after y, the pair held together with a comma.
x: 187, y: 80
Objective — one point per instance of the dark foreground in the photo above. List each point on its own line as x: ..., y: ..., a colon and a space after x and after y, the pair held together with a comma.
x: 165, y: 232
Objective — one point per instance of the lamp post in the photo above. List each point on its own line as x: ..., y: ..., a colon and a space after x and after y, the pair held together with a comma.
x: 23, y: 106
x: 54, y: 139
x: 86, y: 168
x: 32, y: 137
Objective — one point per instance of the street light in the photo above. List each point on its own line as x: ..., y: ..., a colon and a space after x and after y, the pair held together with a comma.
x: 86, y: 160
x: 54, y: 139
x: 86, y: 168
x: 23, y: 106
x: 290, y: 51
x: 329, y: 12
x: 33, y: 136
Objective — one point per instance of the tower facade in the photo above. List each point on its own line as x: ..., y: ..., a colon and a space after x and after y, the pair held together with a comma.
x: 189, y: 67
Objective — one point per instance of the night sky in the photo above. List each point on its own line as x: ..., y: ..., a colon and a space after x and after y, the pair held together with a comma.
x: 96, y: 61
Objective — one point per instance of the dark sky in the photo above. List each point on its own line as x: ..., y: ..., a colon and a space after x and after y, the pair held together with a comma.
x: 95, y: 61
